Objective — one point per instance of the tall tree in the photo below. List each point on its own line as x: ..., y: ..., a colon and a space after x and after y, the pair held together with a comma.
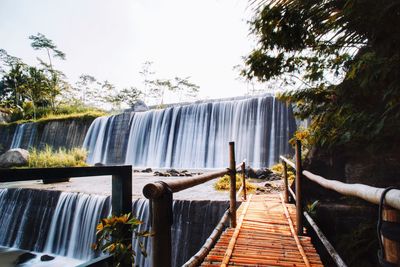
x: 41, y: 42
x: 344, y: 59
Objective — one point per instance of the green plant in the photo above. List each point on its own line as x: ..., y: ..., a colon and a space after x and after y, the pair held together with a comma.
x: 311, y: 208
x: 114, y: 236
x: 224, y: 183
x: 278, y: 169
x: 48, y: 158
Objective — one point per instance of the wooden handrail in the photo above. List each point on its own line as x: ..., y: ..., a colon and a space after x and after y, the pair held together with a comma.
x: 329, y: 248
x: 365, y: 192
x: 156, y: 189
x: 370, y: 194
x: 290, y: 163
x: 198, y: 258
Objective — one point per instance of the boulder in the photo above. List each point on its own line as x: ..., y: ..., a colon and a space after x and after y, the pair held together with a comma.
x: 250, y: 172
x: 263, y: 173
x: 46, y: 258
x: 147, y: 170
x: 14, y: 158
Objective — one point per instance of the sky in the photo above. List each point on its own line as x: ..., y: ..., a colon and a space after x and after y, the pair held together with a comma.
x: 112, y: 39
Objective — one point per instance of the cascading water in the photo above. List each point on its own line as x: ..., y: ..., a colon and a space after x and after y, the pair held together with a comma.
x: 72, y: 229
x: 194, y: 136
x: 25, y: 217
x: 64, y: 224
x: 24, y: 136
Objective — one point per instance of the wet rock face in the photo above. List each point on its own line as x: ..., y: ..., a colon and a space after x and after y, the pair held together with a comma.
x: 14, y: 158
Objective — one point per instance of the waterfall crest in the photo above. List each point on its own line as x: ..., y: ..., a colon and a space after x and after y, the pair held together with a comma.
x: 194, y: 136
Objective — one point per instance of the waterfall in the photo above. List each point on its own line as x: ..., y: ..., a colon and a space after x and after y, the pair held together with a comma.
x: 64, y: 224
x: 24, y: 136
x: 194, y: 136
x: 73, y: 227
x: 25, y: 217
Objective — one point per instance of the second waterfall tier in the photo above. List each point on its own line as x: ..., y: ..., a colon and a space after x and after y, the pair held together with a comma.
x: 194, y: 136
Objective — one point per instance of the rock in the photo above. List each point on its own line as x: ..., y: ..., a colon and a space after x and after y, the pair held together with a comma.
x: 250, y: 172
x: 139, y: 106
x: 46, y: 258
x: 147, y: 170
x: 24, y: 258
x: 14, y: 158
x: 136, y: 171
x: 263, y: 173
x: 173, y: 172
x: 98, y: 164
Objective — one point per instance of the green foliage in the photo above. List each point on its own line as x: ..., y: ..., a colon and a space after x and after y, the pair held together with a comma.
x: 114, y: 236
x: 278, y: 169
x: 345, y: 55
x: 311, y: 208
x: 48, y: 158
x: 61, y: 113
x: 224, y: 183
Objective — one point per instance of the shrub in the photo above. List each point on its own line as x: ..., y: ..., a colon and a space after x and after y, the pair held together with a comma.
x: 48, y: 158
x: 114, y: 236
x: 278, y: 169
x: 224, y: 183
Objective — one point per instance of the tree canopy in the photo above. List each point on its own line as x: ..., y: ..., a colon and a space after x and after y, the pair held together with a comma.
x: 342, y: 58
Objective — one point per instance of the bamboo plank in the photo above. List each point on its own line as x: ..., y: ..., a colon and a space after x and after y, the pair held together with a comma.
x: 263, y: 238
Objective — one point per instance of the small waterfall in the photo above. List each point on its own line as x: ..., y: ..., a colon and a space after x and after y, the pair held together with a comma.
x: 24, y: 136
x: 65, y: 223
x: 194, y: 136
x: 73, y: 227
x: 25, y: 217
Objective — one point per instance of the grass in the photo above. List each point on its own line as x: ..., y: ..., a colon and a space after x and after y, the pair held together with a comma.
x: 59, y: 117
x: 61, y: 112
x: 48, y: 158
x: 223, y: 183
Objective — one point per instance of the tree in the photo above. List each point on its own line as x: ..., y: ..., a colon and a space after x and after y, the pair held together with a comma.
x: 128, y: 96
x: 343, y: 59
x: 40, y: 42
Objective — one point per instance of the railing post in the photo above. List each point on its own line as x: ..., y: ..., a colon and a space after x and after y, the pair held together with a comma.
x: 391, y: 247
x: 161, y: 222
x: 285, y: 182
x: 121, y: 195
x: 299, y: 206
x: 232, y: 173
x: 244, y: 180
x: 121, y: 192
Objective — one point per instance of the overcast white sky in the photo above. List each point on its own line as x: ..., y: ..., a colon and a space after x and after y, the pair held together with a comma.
x: 111, y: 39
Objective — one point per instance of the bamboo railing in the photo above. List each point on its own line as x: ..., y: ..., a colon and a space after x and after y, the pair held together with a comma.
x: 160, y: 195
x: 368, y: 193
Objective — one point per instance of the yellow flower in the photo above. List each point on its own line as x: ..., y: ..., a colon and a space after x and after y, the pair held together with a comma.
x: 99, y: 227
x: 122, y: 219
x: 111, y: 248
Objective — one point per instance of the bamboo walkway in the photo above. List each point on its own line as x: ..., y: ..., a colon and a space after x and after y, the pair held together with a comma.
x: 265, y: 236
